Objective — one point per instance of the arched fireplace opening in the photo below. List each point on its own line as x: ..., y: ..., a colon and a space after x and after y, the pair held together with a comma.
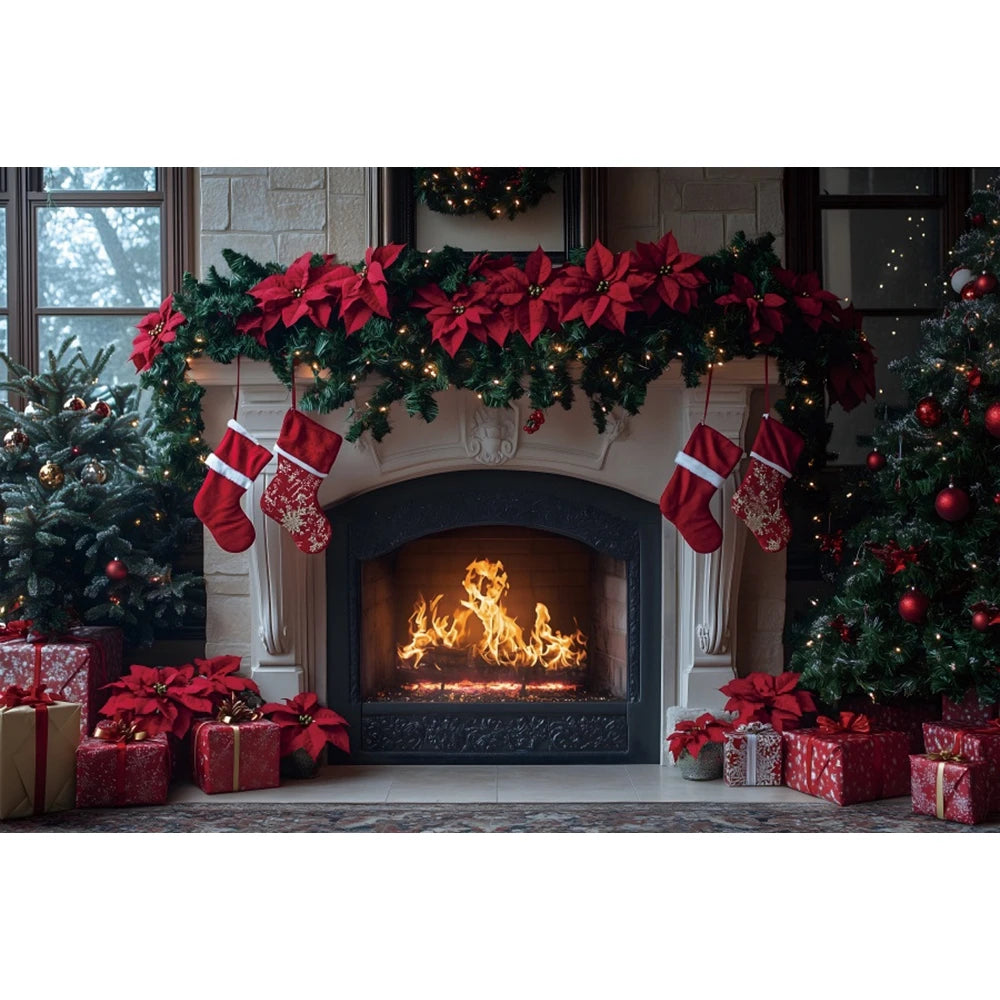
x: 493, y: 616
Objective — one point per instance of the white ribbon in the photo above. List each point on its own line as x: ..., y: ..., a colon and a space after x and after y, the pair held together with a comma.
x: 751, y: 730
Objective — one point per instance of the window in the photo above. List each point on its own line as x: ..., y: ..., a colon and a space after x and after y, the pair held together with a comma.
x: 879, y: 237
x: 87, y: 252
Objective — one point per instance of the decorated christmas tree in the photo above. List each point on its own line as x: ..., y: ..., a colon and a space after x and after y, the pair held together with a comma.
x: 91, y: 522
x: 916, y: 612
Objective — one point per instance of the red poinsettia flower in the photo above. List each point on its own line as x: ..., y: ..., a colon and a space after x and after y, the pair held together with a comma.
x: 306, y: 725
x: 530, y: 297
x: 850, y: 379
x: 693, y: 735
x: 252, y: 325
x: 220, y: 672
x: 672, y: 277
x: 602, y: 291
x: 363, y: 293
x: 761, y: 697
x: 155, y: 330
x: 470, y: 311
x: 167, y: 696
x: 301, y: 292
x: 766, y: 321
x: 813, y: 300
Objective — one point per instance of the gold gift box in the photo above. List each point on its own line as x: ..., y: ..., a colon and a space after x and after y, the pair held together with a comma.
x: 17, y: 759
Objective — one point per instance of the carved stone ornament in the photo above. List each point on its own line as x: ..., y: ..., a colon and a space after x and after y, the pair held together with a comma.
x: 492, y: 437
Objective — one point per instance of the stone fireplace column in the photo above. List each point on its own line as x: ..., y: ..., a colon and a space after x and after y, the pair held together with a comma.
x: 708, y: 585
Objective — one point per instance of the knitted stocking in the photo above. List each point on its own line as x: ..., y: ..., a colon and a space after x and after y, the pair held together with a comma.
x: 232, y: 467
x: 758, y: 501
x: 702, y: 467
x: 306, y: 451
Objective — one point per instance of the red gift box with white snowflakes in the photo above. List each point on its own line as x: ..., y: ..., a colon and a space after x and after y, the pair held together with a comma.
x: 950, y: 787
x: 73, y: 668
x: 980, y: 743
x: 902, y: 716
x: 969, y: 711
x: 753, y: 754
x: 236, y: 757
x: 846, y: 761
x: 124, y: 772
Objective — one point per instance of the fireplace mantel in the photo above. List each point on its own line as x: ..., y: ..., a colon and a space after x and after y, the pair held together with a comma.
x: 286, y: 590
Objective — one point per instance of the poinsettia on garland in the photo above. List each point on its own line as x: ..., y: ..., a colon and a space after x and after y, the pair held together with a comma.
x: 605, y: 323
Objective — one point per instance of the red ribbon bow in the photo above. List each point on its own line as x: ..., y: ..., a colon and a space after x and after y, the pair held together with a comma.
x: 849, y: 722
x: 12, y: 631
x: 15, y: 697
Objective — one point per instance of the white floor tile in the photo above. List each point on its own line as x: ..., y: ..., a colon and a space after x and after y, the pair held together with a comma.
x: 564, y: 783
x: 443, y: 783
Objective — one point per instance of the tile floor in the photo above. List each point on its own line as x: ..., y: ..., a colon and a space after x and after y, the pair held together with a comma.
x: 501, y: 783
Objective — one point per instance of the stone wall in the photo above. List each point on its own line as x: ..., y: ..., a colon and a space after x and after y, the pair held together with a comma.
x: 279, y: 213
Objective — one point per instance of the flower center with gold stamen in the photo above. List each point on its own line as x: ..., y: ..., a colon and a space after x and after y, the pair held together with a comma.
x: 160, y: 689
x: 534, y: 291
x: 759, y: 297
x: 305, y: 720
x: 156, y: 331
x: 297, y: 293
x: 666, y: 269
x: 363, y: 273
x: 602, y: 287
x: 458, y: 310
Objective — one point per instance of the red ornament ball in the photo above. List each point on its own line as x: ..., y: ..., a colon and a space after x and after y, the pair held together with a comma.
x: 75, y: 403
x: 952, y: 503
x: 875, y: 461
x: 984, y: 285
x: 981, y: 621
x: 100, y: 409
x: 992, y: 419
x: 913, y: 606
x: 116, y: 570
x: 929, y: 412
x: 978, y: 219
x: 969, y: 292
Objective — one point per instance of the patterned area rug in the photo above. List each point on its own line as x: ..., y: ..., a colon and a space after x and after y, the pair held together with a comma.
x: 890, y: 816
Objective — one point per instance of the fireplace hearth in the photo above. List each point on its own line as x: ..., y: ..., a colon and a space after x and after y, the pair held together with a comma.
x: 496, y: 616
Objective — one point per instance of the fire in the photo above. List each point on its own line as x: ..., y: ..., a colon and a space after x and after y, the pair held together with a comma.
x: 503, y: 643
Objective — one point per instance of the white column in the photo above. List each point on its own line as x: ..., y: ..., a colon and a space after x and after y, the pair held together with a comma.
x: 708, y: 585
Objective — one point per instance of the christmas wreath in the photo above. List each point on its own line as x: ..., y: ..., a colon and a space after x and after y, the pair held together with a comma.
x: 489, y: 191
x: 415, y: 323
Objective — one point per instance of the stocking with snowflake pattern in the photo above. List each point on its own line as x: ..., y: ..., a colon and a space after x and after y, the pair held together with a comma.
x: 758, y: 501
x: 306, y: 451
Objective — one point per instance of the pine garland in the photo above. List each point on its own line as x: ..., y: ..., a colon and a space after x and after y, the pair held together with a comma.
x: 398, y: 360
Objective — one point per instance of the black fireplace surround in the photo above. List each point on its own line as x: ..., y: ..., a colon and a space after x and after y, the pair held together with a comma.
x: 607, y: 520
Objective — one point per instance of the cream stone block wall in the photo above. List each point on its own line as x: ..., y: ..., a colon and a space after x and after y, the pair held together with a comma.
x: 279, y: 213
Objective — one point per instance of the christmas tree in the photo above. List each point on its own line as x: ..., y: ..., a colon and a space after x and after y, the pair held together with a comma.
x: 916, y: 611
x: 90, y: 520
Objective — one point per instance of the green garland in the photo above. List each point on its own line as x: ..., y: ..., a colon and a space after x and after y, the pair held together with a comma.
x: 401, y: 363
x: 489, y: 191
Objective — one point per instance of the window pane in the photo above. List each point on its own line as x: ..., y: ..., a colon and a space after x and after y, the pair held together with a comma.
x: 876, y: 180
x: 99, y: 178
x: 3, y: 258
x: 3, y: 347
x: 892, y: 337
x: 91, y: 333
x: 883, y: 258
x: 980, y: 175
x: 99, y: 257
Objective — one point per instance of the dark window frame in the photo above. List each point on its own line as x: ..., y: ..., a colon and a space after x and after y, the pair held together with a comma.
x: 22, y: 194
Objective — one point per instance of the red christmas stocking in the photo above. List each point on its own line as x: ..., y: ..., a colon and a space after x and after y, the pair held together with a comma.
x: 232, y: 467
x: 306, y: 451
x: 702, y: 467
x: 758, y: 501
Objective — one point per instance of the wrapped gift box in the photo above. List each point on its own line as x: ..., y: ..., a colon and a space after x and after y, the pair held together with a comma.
x: 38, y: 759
x: 74, y: 670
x: 903, y: 716
x: 970, y: 711
x: 958, y: 790
x: 847, y: 767
x: 753, y: 755
x: 133, y: 773
x: 231, y: 758
x: 981, y: 743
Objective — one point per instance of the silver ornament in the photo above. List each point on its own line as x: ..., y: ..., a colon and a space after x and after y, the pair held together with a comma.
x: 93, y: 473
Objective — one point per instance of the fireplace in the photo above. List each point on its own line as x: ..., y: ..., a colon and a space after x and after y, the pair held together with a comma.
x: 496, y: 616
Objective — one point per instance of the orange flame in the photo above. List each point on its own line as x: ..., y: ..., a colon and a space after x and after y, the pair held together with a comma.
x: 503, y: 643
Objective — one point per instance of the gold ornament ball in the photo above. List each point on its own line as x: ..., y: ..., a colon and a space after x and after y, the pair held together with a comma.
x: 15, y: 441
x: 93, y: 473
x: 51, y: 476
x: 100, y: 409
x: 75, y: 403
